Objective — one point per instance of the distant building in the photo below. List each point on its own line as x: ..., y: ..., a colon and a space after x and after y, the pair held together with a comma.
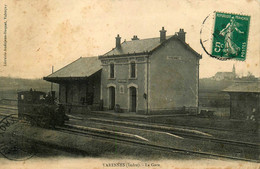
x: 155, y: 75
x: 249, y: 77
x: 225, y: 75
x: 244, y: 100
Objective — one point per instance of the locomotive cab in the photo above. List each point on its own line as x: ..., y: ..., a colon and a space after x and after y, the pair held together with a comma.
x: 40, y: 109
x: 27, y: 98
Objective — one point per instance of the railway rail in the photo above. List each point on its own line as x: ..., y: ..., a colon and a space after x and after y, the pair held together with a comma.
x: 150, y: 121
x: 139, y: 141
x: 8, y: 108
x: 154, y: 123
x: 181, y: 132
x: 5, y: 111
x: 175, y: 130
x: 82, y: 132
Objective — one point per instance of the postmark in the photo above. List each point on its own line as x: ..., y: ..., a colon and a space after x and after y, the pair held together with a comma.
x: 228, y: 37
x: 13, y: 145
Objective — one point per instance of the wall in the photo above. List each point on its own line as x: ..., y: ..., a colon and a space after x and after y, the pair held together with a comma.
x: 173, y: 78
x: 94, y: 85
x: 75, y: 90
x: 81, y: 89
x: 122, y: 78
x: 62, y: 91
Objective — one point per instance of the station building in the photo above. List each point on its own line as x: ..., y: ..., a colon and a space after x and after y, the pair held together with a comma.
x: 147, y: 76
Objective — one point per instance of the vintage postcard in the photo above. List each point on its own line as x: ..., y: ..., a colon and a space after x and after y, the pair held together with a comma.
x: 116, y: 84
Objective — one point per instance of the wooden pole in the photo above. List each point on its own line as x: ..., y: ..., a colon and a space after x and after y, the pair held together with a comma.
x: 51, y: 82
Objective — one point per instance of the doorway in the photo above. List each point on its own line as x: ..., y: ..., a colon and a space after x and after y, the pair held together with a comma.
x: 133, y: 99
x: 112, y: 97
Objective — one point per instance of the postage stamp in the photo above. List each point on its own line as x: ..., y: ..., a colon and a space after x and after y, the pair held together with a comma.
x: 230, y: 36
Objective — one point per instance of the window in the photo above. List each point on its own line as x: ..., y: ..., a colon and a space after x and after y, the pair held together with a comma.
x: 112, y: 70
x: 132, y: 70
x: 41, y: 97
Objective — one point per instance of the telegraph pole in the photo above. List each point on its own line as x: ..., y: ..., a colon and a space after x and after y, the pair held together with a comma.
x: 51, y: 82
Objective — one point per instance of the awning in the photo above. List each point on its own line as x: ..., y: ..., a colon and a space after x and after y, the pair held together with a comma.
x: 80, y: 69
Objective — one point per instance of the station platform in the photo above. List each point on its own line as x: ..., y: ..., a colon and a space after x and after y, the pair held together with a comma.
x: 133, y: 114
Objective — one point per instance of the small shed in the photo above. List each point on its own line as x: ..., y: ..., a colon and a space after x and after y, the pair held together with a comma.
x: 79, y: 84
x: 244, y: 100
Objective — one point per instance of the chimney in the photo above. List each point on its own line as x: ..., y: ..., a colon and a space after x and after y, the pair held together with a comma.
x: 118, y: 41
x: 181, y: 35
x: 135, y: 38
x: 162, y: 35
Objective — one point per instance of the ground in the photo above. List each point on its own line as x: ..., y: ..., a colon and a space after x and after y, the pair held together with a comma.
x: 40, y: 144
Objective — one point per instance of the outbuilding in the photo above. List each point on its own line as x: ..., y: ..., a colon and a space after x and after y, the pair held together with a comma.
x: 79, y: 84
x: 244, y: 100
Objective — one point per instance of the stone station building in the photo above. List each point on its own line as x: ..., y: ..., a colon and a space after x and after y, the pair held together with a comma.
x: 148, y: 76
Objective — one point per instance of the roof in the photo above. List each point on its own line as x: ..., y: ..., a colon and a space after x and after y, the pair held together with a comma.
x: 143, y: 46
x: 82, y: 67
x: 31, y: 91
x: 224, y: 73
x: 247, y: 87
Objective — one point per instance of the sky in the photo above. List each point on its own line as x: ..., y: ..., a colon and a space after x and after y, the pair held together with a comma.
x: 44, y: 33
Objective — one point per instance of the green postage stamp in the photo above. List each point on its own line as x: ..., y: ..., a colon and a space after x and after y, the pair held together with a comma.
x: 230, y: 36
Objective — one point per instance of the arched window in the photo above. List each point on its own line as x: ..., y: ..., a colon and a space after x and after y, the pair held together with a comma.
x: 112, y: 70
x: 132, y: 70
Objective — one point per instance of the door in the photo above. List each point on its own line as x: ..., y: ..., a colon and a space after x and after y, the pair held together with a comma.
x: 112, y: 98
x: 132, y: 99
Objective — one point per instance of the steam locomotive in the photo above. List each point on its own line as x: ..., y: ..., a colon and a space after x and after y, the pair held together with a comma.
x: 40, y: 109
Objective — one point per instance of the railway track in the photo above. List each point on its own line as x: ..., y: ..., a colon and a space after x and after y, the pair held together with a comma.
x: 181, y: 132
x: 139, y: 141
x: 152, y: 126
x: 5, y: 111
x: 8, y: 108
x: 154, y: 123
x: 150, y: 121
x: 175, y: 130
x: 79, y: 130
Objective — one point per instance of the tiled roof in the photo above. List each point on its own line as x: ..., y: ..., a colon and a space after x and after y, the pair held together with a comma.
x: 142, y: 46
x: 136, y: 46
x: 249, y: 87
x: 82, y: 67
